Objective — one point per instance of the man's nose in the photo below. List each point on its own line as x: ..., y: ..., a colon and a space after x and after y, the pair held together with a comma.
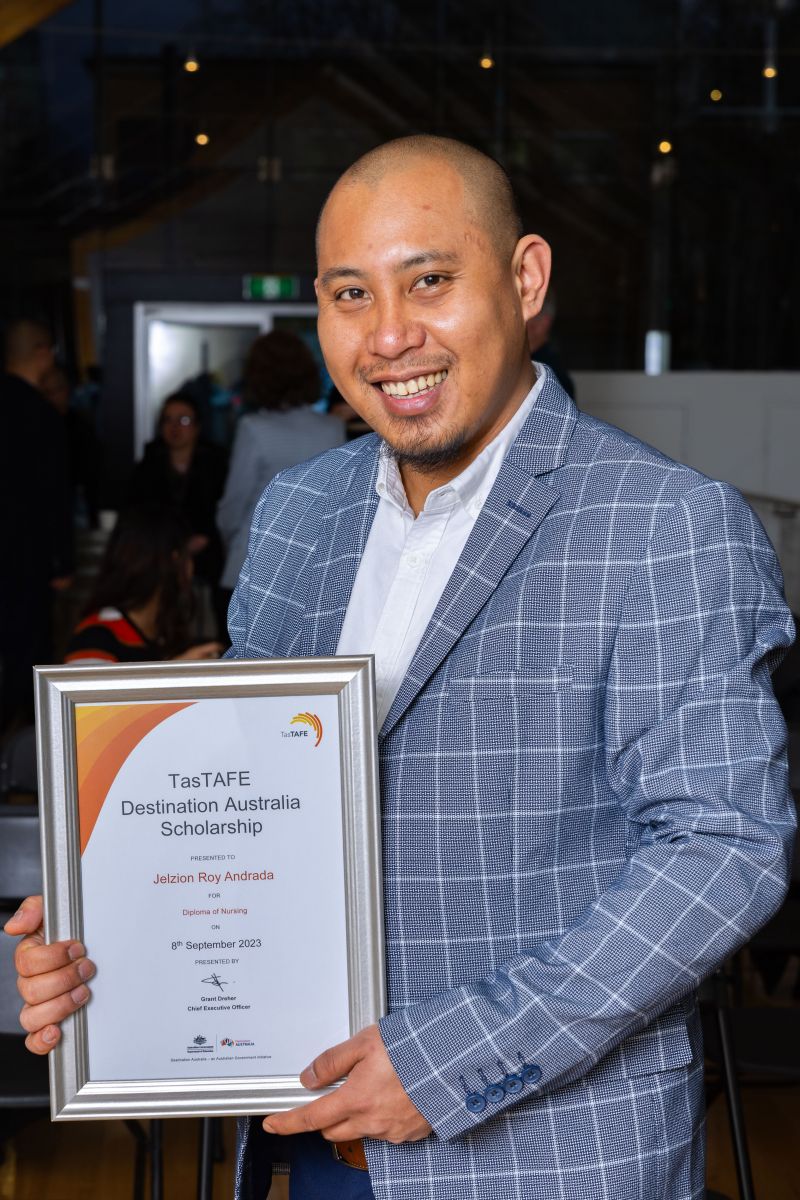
x: 393, y: 330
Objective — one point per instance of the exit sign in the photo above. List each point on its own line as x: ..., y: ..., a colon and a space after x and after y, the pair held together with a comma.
x: 270, y: 287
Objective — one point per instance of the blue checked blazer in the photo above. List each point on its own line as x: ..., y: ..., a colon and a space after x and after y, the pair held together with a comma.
x: 585, y: 802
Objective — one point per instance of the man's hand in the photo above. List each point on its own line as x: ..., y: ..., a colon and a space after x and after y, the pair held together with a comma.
x: 371, y: 1102
x: 52, y: 978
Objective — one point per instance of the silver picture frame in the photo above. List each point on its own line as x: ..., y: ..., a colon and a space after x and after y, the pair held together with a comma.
x: 76, y: 1096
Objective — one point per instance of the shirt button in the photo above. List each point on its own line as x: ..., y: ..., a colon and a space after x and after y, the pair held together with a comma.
x: 413, y: 560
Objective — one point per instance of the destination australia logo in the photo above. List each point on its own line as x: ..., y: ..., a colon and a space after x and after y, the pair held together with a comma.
x: 314, y: 727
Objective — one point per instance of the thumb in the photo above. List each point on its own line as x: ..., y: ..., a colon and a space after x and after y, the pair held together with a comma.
x: 332, y: 1064
x: 27, y: 918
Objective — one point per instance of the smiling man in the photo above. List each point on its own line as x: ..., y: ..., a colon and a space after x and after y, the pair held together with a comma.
x: 584, y: 795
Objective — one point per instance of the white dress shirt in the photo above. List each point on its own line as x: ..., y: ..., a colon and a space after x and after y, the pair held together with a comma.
x: 407, y: 561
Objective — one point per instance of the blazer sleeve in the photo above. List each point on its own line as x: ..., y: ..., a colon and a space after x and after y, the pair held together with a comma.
x: 695, y: 753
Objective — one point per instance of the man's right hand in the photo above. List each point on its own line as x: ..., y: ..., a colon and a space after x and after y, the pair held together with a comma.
x: 51, y: 978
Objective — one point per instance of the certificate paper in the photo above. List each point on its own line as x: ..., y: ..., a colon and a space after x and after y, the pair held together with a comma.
x: 218, y: 853
x: 204, y: 823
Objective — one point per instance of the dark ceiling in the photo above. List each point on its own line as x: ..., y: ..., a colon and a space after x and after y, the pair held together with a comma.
x: 98, y: 122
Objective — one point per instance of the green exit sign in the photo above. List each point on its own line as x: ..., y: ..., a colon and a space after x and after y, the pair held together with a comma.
x: 270, y: 287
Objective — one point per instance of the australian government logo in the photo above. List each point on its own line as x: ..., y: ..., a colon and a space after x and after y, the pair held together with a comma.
x: 314, y: 729
x: 200, y: 1045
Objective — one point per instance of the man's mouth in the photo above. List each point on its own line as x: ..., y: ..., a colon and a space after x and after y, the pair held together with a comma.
x: 417, y: 386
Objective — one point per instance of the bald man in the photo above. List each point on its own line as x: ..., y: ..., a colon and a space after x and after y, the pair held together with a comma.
x: 584, y: 796
x: 35, y: 508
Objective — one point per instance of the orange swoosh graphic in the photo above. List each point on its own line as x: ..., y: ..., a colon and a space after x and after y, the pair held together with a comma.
x: 106, y: 734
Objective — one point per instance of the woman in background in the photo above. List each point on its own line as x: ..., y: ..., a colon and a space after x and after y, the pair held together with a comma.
x: 183, y: 470
x: 141, y: 605
x: 281, y: 382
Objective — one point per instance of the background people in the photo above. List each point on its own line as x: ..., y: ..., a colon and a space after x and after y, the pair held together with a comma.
x: 141, y: 605
x: 83, y: 449
x: 181, y: 469
x: 542, y: 347
x: 36, y: 551
x: 281, y: 382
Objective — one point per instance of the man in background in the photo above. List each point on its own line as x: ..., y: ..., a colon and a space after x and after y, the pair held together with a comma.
x: 35, y: 514
x: 542, y: 347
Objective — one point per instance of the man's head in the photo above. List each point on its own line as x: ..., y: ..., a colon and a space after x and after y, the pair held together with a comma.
x: 424, y: 287
x: 54, y: 386
x: 28, y: 351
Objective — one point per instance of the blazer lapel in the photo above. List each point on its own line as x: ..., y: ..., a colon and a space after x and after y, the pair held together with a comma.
x: 516, y: 506
x: 344, y: 529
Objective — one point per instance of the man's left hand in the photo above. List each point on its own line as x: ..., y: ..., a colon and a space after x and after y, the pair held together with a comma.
x: 370, y: 1103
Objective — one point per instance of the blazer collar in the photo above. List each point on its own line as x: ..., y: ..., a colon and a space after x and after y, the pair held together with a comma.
x: 514, y: 509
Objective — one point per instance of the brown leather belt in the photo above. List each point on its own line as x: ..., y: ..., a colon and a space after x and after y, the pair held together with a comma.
x: 351, y: 1153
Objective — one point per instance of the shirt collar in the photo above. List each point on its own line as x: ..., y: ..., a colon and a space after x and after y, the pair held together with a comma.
x: 473, y: 485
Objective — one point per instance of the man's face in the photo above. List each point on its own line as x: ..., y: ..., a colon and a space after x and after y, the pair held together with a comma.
x: 420, y: 319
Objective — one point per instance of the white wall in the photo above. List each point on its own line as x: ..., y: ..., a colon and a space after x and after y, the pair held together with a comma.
x: 741, y: 426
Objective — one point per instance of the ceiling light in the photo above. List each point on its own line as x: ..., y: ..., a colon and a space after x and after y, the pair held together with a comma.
x: 191, y: 64
x: 202, y: 139
x: 486, y: 61
x: 770, y: 72
x: 665, y: 147
x: 715, y: 94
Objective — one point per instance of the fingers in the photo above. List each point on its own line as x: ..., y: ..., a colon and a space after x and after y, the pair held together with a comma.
x: 39, y: 988
x: 43, y: 1041
x: 34, y: 1018
x: 33, y: 957
x: 334, y: 1063
x: 329, y: 1110
x: 27, y: 918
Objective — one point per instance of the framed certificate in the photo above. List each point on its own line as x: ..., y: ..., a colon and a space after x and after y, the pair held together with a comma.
x: 211, y: 832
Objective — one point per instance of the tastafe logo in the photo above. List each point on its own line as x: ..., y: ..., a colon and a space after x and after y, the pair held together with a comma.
x: 312, y: 720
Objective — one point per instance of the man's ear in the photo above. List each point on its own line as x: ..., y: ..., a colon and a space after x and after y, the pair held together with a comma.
x: 531, y: 266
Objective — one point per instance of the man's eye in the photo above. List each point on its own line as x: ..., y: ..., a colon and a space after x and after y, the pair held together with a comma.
x: 351, y: 293
x: 429, y: 281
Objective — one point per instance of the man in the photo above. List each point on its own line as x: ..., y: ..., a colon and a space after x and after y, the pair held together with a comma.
x: 542, y: 348
x: 82, y: 446
x: 35, y: 514
x: 583, y: 780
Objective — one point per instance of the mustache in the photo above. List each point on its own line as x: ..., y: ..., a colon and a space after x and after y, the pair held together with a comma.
x: 371, y: 374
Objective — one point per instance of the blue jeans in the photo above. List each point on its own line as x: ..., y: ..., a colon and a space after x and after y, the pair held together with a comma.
x: 314, y: 1172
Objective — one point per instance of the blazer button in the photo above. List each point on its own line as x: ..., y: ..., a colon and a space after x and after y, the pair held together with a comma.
x: 495, y: 1093
x: 531, y: 1073
x: 513, y: 1084
x: 475, y: 1102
